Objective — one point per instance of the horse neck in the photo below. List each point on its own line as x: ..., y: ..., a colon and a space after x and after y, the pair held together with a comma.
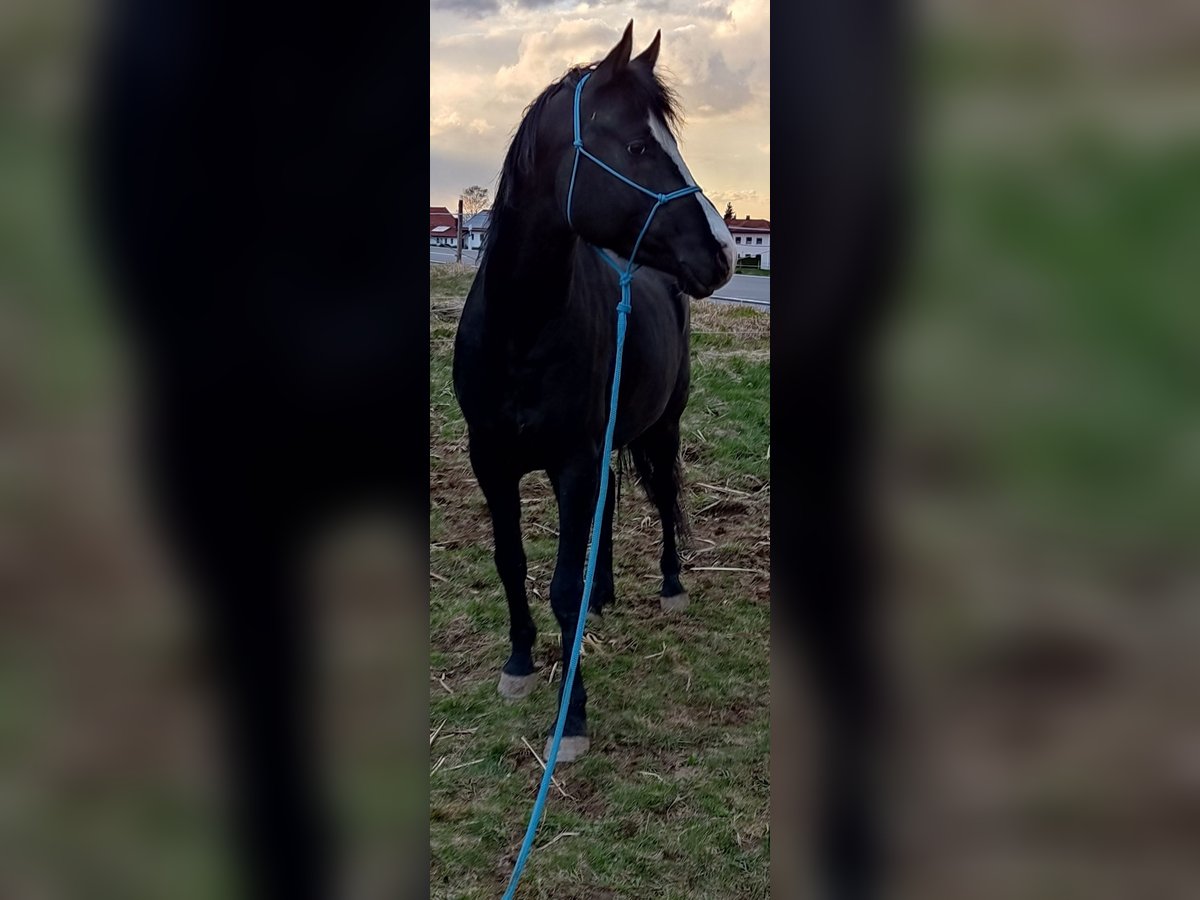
x: 527, y: 269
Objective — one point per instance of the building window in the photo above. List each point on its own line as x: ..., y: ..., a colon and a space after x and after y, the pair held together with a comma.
x: 737, y: 240
x: 758, y: 240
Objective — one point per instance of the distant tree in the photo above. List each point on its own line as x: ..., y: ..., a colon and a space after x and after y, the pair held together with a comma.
x: 475, y: 200
x: 729, y: 216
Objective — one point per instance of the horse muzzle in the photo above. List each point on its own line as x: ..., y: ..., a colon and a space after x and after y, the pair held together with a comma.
x: 701, y: 278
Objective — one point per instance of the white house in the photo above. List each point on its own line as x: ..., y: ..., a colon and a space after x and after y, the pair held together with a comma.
x: 751, y: 240
x: 476, y: 230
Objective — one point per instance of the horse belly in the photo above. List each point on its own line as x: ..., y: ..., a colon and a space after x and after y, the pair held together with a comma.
x: 650, y: 386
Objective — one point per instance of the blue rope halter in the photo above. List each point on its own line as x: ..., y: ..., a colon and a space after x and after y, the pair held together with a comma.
x: 625, y: 277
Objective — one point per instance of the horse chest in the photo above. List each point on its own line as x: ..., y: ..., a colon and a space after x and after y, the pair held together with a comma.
x: 542, y: 399
x: 543, y: 394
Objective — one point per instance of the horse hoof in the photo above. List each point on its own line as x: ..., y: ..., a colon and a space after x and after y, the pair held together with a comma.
x: 569, y: 748
x: 516, y: 687
x: 677, y: 603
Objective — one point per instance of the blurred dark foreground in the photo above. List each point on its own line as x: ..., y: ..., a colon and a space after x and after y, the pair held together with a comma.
x: 208, y: 379
x: 985, y: 576
x: 212, y: 660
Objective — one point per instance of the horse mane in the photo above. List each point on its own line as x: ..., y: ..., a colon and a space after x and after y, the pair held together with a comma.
x: 521, y: 158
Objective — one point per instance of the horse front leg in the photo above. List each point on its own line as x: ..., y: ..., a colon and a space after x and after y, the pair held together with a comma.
x: 501, y: 489
x: 576, y: 487
x: 604, y: 590
x: 604, y: 587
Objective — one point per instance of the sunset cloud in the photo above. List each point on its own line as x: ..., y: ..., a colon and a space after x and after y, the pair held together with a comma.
x: 490, y: 58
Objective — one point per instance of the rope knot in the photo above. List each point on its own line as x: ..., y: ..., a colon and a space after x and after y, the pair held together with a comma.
x: 662, y: 198
x: 577, y: 143
x: 625, y: 279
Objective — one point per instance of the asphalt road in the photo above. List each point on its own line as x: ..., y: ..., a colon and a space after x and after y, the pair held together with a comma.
x: 752, y: 289
x: 446, y: 255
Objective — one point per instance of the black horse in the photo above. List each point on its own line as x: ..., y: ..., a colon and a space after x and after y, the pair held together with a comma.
x: 534, y: 351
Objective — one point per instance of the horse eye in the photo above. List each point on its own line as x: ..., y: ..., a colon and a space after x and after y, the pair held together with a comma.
x: 637, y: 148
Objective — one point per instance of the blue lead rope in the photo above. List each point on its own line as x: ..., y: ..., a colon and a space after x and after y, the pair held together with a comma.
x: 624, y: 278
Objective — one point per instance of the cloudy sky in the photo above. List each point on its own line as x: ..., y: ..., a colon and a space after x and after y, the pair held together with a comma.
x: 490, y: 58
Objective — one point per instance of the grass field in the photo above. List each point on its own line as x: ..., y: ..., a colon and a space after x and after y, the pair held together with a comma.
x: 673, y: 799
x: 753, y: 270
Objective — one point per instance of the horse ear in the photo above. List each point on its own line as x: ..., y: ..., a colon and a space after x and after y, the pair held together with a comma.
x: 649, y: 56
x: 618, y: 57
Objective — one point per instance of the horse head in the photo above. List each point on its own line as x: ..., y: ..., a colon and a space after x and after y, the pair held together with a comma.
x: 626, y: 117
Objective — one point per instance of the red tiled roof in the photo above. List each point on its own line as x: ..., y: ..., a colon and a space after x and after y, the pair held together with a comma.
x: 439, y: 217
x: 748, y: 224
